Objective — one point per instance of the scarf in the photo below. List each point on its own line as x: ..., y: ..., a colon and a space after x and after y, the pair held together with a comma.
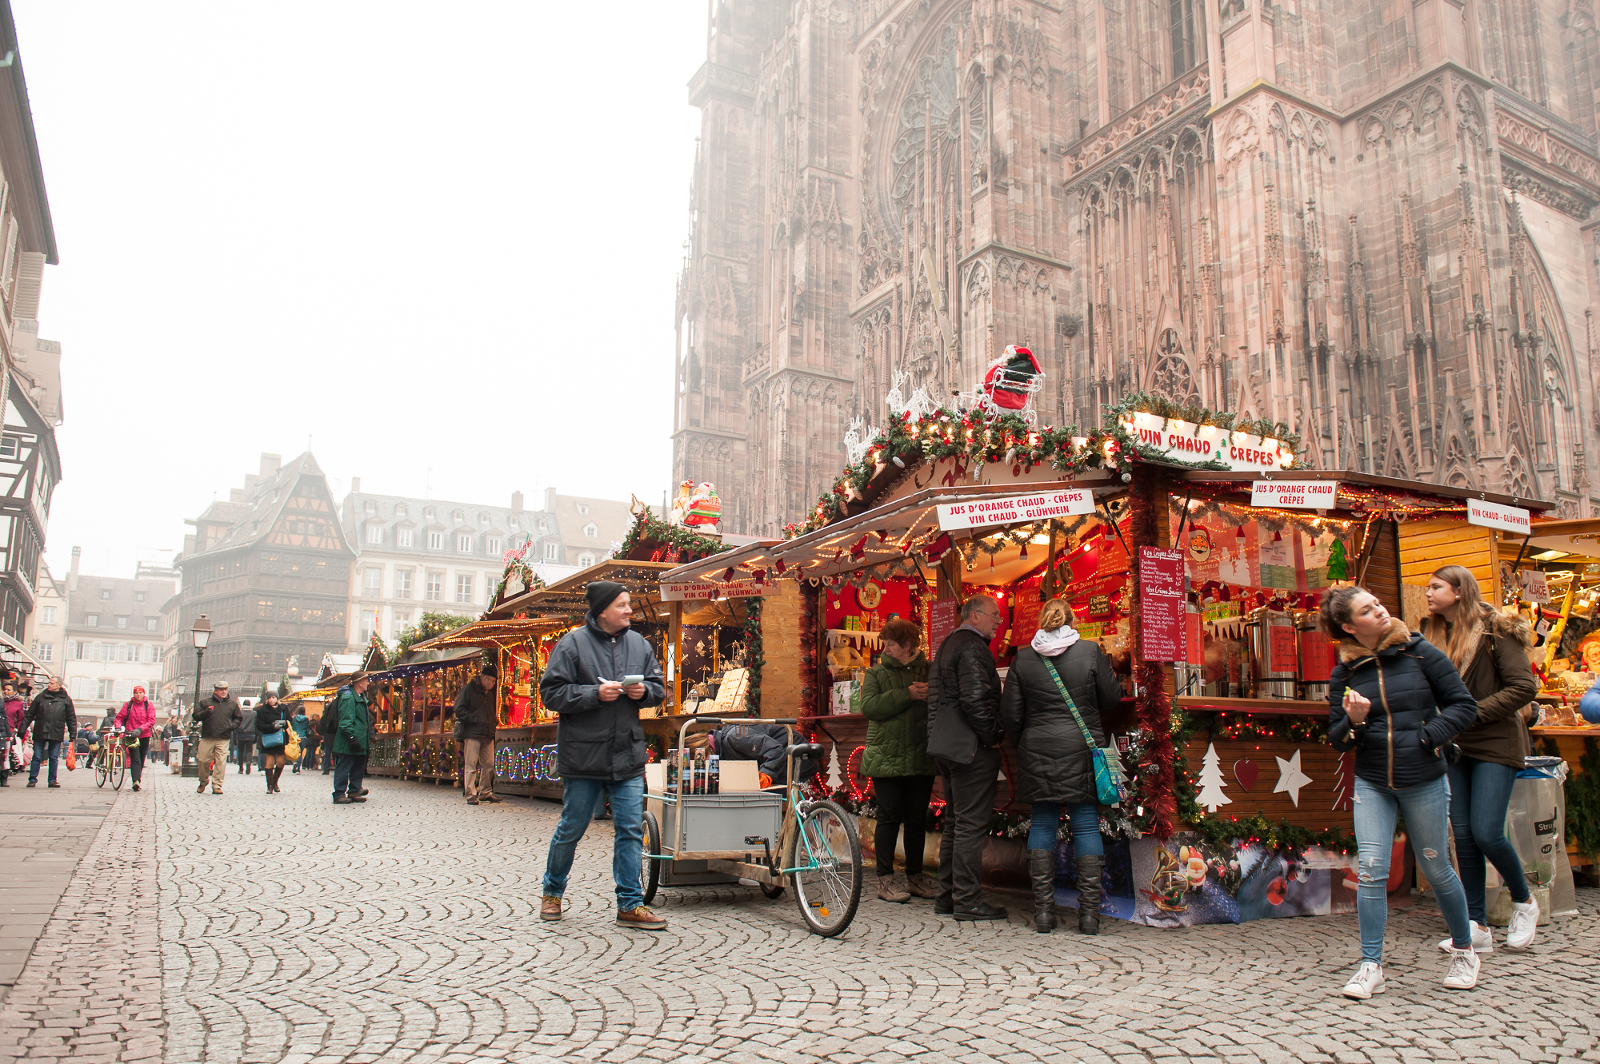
x: 1051, y: 643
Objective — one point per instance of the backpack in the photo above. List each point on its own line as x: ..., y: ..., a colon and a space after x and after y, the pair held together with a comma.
x: 328, y: 723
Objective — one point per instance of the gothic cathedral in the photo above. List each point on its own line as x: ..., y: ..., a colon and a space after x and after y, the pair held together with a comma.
x: 1371, y: 221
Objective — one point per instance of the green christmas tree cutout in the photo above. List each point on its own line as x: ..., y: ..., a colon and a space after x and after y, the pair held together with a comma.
x: 1338, y: 569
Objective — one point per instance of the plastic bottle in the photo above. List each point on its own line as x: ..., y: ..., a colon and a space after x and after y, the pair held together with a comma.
x: 714, y: 775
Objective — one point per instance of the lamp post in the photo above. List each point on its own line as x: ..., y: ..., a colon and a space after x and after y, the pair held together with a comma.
x: 179, y: 689
x: 201, y: 634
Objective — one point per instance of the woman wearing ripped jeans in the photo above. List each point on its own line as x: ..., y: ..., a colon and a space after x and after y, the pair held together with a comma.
x: 1398, y: 702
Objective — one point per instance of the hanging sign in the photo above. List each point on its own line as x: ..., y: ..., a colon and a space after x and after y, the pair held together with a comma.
x: 1035, y: 507
x: 1493, y: 515
x: 1297, y: 494
x: 1162, y: 631
x: 1535, y: 586
x: 1184, y: 441
x: 706, y: 590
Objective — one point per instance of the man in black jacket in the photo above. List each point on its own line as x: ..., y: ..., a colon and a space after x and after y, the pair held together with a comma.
x: 54, y: 719
x: 963, y: 736
x: 219, y: 715
x: 476, y: 720
x: 597, y: 679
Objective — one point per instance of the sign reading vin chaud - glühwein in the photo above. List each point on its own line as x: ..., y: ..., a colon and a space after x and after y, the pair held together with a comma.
x: 1184, y: 441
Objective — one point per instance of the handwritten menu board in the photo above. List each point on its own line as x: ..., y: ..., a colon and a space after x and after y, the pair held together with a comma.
x: 1025, y: 619
x: 1284, y: 649
x: 1162, y: 632
x: 944, y: 615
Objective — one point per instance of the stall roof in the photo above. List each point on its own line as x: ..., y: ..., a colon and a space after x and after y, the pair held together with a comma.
x: 910, y: 520
x: 565, y: 597
x: 1580, y: 536
x: 497, y: 633
x: 1372, y: 480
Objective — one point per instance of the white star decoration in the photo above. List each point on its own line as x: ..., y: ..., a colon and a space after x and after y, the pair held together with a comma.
x: 1290, y: 778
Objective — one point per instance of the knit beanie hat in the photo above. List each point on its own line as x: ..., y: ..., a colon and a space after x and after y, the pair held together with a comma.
x: 602, y: 593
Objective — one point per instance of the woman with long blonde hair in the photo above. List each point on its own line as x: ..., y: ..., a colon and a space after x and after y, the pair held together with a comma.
x: 1490, y: 650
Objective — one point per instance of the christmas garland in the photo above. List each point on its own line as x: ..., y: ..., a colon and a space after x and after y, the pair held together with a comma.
x: 753, y: 660
x: 648, y: 528
x: 809, y: 622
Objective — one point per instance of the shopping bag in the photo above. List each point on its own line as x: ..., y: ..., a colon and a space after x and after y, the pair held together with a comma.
x: 291, y: 747
x: 72, y: 757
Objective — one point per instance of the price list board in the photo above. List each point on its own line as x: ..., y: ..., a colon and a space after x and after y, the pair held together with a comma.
x: 1162, y: 634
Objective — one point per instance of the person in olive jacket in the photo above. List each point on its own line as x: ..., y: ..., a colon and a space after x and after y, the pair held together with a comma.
x: 219, y: 715
x: 894, y: 699
x: 964, y: 736
x: 477, y: 717
x: 54, y: 719
x: 597, y: 679
x: 1397, y: 701
x: 352, y: 740
x: 1490, y: 649
x: 1054, y: 766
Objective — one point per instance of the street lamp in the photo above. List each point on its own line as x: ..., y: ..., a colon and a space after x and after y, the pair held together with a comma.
x: 201, y: 633
x: 180, y: 689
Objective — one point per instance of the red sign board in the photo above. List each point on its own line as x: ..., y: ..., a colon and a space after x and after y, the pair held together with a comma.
x: 1025, y: 619
x: 1285, y: 649
x: 1162, y: 633
x: 1316, y: 657
x: 944, y: 616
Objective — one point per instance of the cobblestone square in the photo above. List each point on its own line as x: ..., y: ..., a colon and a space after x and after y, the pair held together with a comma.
x: 257, y: 928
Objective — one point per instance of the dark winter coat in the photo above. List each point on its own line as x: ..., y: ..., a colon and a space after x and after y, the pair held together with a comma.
x: 897, y: 724
x: 765, y: 744
x: 1500, y: 678
x: 246, y: 730
x: 476, y: 712
x: 354, y: 734
x: 595, y: 739
x: 52, y: 716
x: 963, y: 698
x: 269, y: 718
x: 219, y: 718
x: 1419, y: 704
x: 1053, y: 760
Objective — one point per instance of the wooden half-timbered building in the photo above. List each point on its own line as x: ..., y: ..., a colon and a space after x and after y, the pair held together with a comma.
x: 30, y: 468
x: 270, y: 568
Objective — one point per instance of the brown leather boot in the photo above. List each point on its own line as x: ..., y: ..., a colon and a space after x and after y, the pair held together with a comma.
x: 640, y: 919
x: 550, y: 908
x: 887, y: 891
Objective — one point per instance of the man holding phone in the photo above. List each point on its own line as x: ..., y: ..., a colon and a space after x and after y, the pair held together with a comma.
x: 597, y: 680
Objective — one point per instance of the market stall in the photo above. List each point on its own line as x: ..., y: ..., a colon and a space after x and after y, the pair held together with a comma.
x: 1196, y: 552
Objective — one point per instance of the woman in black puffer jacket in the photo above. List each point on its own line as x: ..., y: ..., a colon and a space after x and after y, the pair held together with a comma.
x: 1398, y: 702
x: 1054, y: 770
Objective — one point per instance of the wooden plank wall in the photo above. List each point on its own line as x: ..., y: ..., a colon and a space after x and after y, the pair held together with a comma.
x: 1426, y: 545
x: 781, y: 639
x: 1317, y: 798
x: 1379, y: 570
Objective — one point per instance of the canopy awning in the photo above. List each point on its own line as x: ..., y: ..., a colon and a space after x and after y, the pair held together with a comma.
x: 565, y: 600
x: 500, y: 633
x: 1395, y: 489
x: 743, y: 560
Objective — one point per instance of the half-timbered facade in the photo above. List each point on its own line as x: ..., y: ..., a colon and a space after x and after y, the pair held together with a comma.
x: 30, y: 467
x: 270, y: 568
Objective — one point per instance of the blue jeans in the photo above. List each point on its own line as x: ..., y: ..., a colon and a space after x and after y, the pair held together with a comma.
x: 1084, y: 820
x: 1480, y: 794
x: 40, y: 746
x: 350, y: 771
x: 578, y: 800
x: 1427, y: 808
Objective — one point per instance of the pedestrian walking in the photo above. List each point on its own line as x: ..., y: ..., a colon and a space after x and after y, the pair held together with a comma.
x: 137, y: 718
x: 598, y: 678
x: 7, y: 738
x: 1490, y: 650
x: 1398, y: 702
x: 302, y: 728
x: 476, y: 721
x: 1054, y: 695
x: 169, y: 737
x: 963, y: 736
x: 894, y: 699
x: 272, y: 732
x: 219, y: 715
x: 352, y: 740
x: 52, y: 718
x: 244, y: 739
x: 16, y: 708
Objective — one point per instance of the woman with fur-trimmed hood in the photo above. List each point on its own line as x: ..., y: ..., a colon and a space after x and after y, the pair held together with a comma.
x: 1490, y: 650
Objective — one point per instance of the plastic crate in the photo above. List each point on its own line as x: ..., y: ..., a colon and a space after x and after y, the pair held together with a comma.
x: 703, y: 822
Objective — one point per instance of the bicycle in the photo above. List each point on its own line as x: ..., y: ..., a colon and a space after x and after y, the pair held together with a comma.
x: 818, y: 851
x: 111, y: 760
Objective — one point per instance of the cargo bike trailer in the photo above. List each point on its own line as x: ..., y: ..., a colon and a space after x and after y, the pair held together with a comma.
x: 773, y: 836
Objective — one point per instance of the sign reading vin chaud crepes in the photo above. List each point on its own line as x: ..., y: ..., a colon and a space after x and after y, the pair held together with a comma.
x: 1184, y: 441
x: 1039, y: 506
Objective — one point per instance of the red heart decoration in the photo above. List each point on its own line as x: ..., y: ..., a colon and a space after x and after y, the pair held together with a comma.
x: 1246, y: 772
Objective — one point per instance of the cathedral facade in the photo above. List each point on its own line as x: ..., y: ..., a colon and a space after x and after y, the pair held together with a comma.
x: 1371, y: 221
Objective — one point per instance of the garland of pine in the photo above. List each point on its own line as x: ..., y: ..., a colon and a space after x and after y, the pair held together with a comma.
x: 649, y: 528
x: 752, y: 657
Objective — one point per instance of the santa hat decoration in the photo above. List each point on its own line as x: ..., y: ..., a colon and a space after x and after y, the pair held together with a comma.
x: 938, y: 548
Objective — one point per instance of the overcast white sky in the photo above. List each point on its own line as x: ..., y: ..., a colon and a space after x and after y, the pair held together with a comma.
x: 440, y: 239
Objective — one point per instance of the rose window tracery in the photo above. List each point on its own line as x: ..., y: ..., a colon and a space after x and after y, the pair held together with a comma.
x: 935, y: 109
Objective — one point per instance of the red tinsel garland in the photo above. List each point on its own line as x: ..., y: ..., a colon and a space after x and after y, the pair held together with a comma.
x: 809, y: 634
x: 1154, y: 705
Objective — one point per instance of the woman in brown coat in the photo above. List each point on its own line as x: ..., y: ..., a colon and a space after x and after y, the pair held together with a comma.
x: 1490, y: 650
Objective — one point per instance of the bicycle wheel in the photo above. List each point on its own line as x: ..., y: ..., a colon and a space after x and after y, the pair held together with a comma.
x: 827, y: 863
x: 649, y: 867
x: 119, y: 766
x: 101, y: 774
x: 772, y: 892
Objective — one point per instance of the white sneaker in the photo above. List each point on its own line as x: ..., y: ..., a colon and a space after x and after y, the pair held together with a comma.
x: 1524, y: 925
x: 1482, y: 941
x: 1367, y: 981
x: 1463, y: 971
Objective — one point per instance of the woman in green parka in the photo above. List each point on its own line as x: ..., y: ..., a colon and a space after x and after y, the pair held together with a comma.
x: 894, y: 696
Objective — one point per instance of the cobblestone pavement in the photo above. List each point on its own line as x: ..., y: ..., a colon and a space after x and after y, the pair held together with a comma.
x: 406, y: 929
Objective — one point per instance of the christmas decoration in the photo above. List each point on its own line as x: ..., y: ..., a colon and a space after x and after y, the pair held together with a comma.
x: 704, y: 509
x: 835, y: 778
x: 1246, y: 773
x: 753, y: 660
x: 1211, y: 795
x: 1290, y: 778
x: 1338, y: 568
x: 1344, y: 789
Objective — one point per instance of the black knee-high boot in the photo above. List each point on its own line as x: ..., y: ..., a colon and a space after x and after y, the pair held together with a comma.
x: 1090, y: 869
x: 1042, y: 873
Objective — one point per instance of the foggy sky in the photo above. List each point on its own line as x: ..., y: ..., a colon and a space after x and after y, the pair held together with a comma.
x: 440, y: 239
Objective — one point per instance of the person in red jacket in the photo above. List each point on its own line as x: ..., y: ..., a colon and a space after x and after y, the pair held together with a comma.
x: 138, y: 718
